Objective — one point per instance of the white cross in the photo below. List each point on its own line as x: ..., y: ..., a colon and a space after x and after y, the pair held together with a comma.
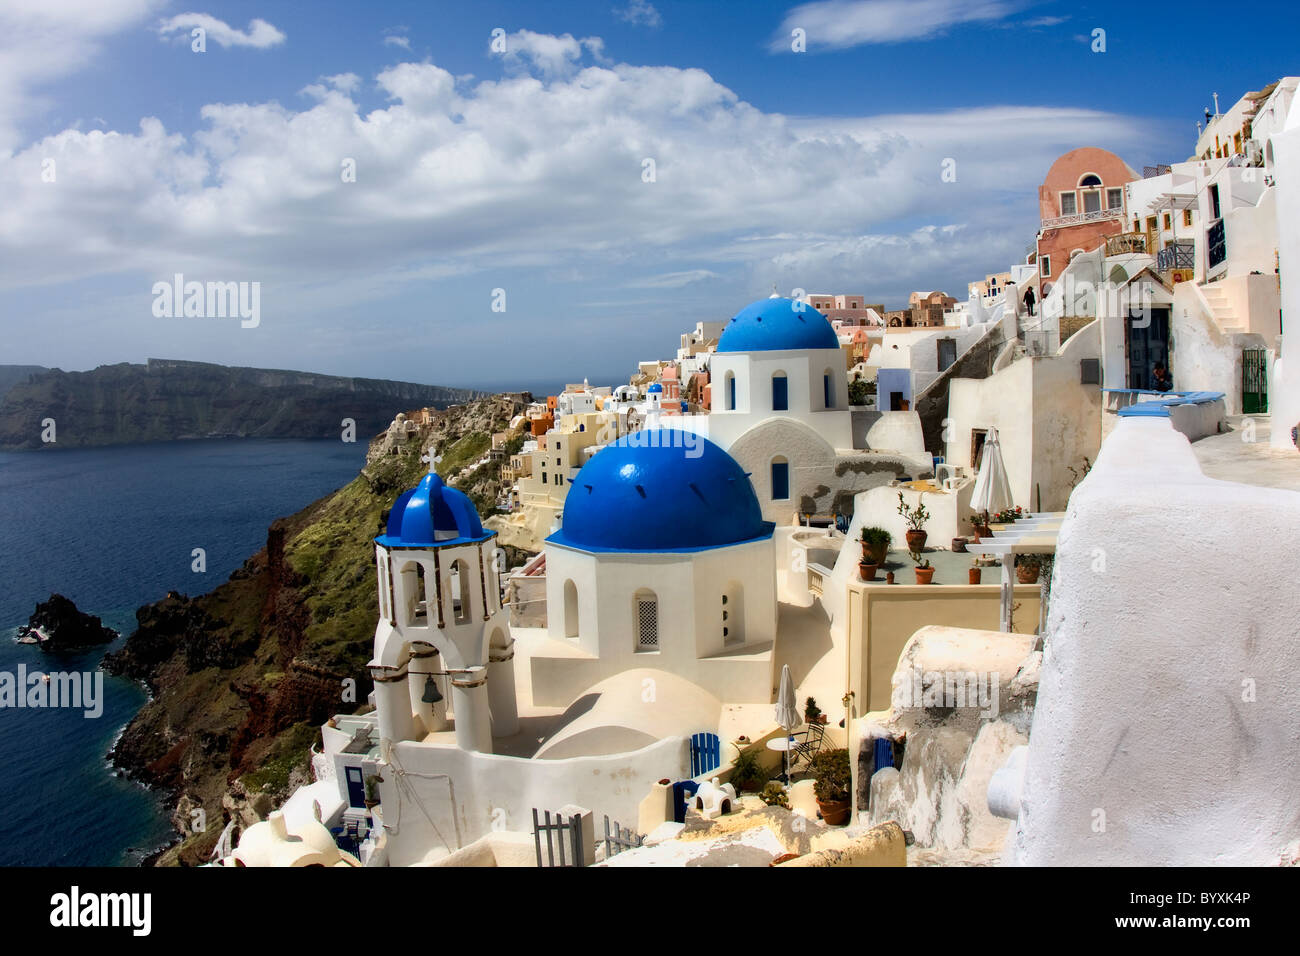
x: 426, y: 457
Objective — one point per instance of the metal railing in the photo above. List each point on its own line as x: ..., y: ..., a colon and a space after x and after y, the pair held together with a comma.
x: 1151, y: 172
x: 1097, y: 215
x: 1177, y: 255
x: 1126, y: 242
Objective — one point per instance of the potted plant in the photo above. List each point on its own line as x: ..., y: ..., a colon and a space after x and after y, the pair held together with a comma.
x: 372, y: 790
x: 867, y: 569
x: 1008, y: 515
x: 973, y: 574
x: 831, y: 787
x: 1027, y: 567
x: 812, y: 714
x: 981, y: 524
x: 916, y: 519
x: 924, y: 569
x: 746, y: 771
x: 773, y: 794
x: 875, y: 545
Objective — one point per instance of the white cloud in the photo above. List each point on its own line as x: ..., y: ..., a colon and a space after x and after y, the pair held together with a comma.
x: 41, y: 42
x: 640, y: 12
x: 550, y: 55
x: 260, y: 35
x: 395, y: 40
x: 538, y: 173
x: 837, y: 24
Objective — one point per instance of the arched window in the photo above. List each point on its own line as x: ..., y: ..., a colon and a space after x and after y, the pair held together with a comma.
x: 570, y: 609
x: 1089, y: 180
x: 731, y: 391
x: 780, y: 479
x: 645, y: 620
x: 780, y: 392
x: 385, y: 611
x: 414, y: 596
x: 828, y: 389
x: 460, y: 596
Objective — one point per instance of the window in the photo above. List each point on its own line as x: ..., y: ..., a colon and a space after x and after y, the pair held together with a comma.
x: 1169, y: 221
x: 780, y: 479
x: 780, y: 393
x: 543, y: 477
x: 1151, y: 223
x: 977, y: 438
x: 1214, y: 201
x: 459, y: 578
x: 1092, y: 201
x: 1137, y: 225
x: 731, y: 391
x: 1090, y: 179
x: 1187, y: 217
x: 828, y: 391
x: 1046, y: 263
x: 733, y: 614
x: 646, y: 607
x: 1069, y: 204
x: 1114, y: 198
x: 570, y: 609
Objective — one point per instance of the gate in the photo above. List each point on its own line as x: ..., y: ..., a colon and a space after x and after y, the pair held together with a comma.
x: 1254, y: 381
x: 561, y: 833
x: 619, y: 838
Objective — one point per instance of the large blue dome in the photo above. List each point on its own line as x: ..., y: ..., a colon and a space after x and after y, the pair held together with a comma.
x: 432, y: 515
x: 776, y: 325
x: 646, y: 493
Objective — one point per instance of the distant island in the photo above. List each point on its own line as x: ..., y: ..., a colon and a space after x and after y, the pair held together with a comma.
x: 170, y: 400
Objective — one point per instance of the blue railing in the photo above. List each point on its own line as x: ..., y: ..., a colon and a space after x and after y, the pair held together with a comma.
x: 1216, y: 244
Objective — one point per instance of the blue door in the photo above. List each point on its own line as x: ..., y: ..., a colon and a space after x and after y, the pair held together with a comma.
x: 356, y: 787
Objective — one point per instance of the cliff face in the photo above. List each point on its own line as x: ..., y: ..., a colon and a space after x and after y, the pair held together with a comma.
x: 242, y: 677
x: 166, y: 400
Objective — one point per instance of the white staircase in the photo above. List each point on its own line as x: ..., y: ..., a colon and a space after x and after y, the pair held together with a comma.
x: 1228, y: 320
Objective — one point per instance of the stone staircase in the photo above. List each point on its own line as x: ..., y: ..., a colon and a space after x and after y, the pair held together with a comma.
x: 1228, y: 320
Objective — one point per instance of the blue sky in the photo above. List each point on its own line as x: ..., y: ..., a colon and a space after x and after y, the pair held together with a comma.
x: 524, y: 171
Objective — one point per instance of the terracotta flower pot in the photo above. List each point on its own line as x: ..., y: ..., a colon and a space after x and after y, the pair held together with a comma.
x: 974, y: 575
x: 889, y: 577
x: 984, y: 531
x: 916, y: 540
x: 835, y: 813
x: 867, y: 570
x: 958, y: 545
x: 874, y: 554
x: 924, y: 575
x: 1026, y: 575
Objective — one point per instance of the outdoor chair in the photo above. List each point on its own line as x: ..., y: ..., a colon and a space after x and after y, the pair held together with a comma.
x: 807, y: 744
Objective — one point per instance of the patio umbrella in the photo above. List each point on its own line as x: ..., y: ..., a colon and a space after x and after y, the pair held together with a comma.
x: 992, y: 491
x: 787, y: 715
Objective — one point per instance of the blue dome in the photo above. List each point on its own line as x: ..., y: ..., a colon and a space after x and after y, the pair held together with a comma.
x: 646, y: 493
x: 656, y: 387
x: 432, y: 515
x: 775, y: 325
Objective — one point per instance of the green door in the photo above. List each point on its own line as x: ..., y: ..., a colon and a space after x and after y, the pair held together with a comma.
x: 1254, y: 382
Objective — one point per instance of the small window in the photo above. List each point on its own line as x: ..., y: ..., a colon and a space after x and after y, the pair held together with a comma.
x: 1090, y: 180
x: 1114, y: 198
x: 780, y: 480
x: 1169, y: 221
x: 647, y: 621
x: 1069, y: 204
x: 1046, y: 263
x: 1187, y: 217
x: 828, y: 391
x: 780, y: 393
x: 731, y: 392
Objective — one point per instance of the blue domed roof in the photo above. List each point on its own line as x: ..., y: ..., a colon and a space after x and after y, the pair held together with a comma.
x: 432, y: 515
x: 777, y: 325
x: 656, y: 387
x: 646, y: 492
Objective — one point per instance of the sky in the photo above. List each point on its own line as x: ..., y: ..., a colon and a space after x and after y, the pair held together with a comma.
x: 500, y: 194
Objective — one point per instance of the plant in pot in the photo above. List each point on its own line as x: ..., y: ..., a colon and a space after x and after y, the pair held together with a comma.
x: 372, y: 790
x: 746, y: 771
x: 916, y: 519
x: 773, y: 794
x: 980, y: 521
x: 812, y: 714
x: 974, y: 574
x: 831, y: 787
x: 924, y: 569
x: 1027, y: 568
x: 875, y: 545
x: 1008, y: 515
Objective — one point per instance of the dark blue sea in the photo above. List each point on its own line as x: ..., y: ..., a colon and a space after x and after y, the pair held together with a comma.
x: 113, y: 529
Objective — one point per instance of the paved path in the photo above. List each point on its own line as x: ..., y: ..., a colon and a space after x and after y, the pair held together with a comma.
x: 1231, y: 456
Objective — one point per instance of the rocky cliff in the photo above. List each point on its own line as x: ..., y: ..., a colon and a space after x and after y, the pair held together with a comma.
x: 166, y: 400
x: 242, y: 677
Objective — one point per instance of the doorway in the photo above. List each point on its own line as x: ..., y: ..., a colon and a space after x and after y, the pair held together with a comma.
x: 1148, y: 345
x: 1254, y: 381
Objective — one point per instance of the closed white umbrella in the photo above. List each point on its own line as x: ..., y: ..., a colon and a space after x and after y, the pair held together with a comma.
x: 992, y: 491
x: 787, y: 715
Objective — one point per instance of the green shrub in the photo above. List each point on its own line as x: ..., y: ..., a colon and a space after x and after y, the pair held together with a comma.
x: 834, y: 777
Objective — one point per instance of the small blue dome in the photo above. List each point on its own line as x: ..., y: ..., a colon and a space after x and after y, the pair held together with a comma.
x: 432, y: 515
x: 656, y: 387
x: 777, y: 325
x: 646, y: 492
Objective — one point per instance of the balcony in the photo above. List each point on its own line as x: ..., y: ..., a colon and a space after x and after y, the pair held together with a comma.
x: 1178, y: 255
x: 1098, y: 215
x: 1126, y: 243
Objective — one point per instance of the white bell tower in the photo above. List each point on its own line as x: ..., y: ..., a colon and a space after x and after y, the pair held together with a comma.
x: 443, y: 636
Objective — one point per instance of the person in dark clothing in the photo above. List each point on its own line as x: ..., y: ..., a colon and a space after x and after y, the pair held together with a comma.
x: 1163, y: 380
x: 1030, y: 299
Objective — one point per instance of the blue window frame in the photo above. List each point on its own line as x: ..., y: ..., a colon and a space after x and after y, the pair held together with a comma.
x: 780, y: 393
x: 731, y: 392
x: 826, y: 391
x: 780, y: 480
